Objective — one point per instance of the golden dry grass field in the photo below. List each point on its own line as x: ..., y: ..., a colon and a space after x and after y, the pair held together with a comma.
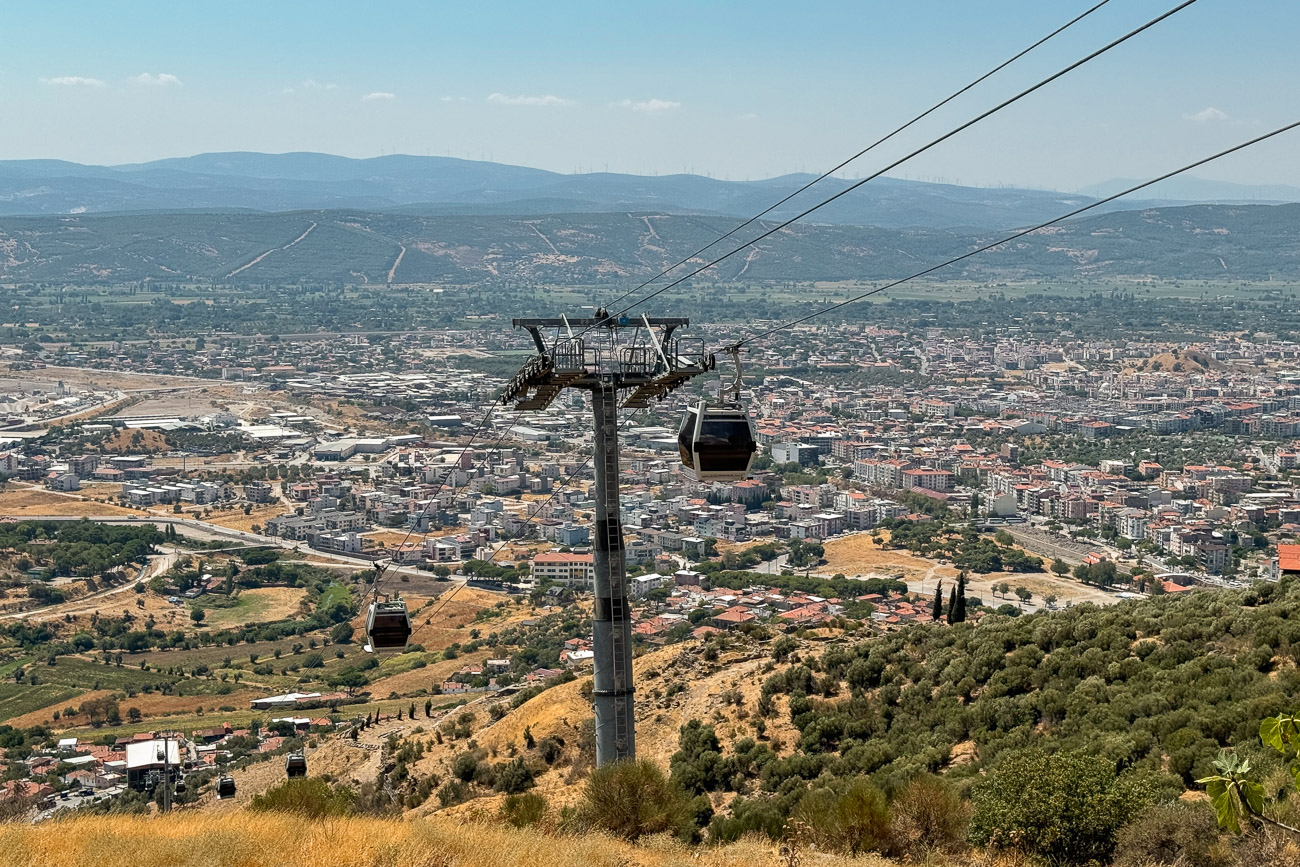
x: 238, y: 838
x: 18, y: 502
x: 235, y: 519
x: 859, y: 555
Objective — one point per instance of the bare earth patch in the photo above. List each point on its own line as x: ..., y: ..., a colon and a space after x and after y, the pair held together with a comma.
x: 23, y: 502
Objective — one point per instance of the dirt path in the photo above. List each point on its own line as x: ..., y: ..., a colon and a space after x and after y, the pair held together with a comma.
x: 533, y: 226
x: 393, y: 270
x: 93, y: 602
x: 272, y: 250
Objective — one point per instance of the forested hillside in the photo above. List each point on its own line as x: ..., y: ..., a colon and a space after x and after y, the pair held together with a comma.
x: 362, y: 248
x: 1141, y: 695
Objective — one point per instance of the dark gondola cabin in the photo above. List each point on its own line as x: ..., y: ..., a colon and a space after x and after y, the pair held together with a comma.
x: 225, y: 788
x: 295, y: 765
x: 388, y: 626
x: 716, y: 443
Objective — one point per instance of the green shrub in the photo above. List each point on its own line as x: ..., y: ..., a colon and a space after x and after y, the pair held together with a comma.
x: 310, y: 797
x: 927, y: 816
x: 524, y: 811
x: 465, y: 766
x: 513, y: 778
x: 1179, y: 834
x: 452, y: 793
x: 631, y: 799
x: 853, y: 821
x: 1065, y: 808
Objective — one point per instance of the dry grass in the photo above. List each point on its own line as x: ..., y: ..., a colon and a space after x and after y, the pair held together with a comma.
x: 259, y: 605
x: 135, y: 441
x: 76, y: 377
x: 859, y: 555
x: 235, y: 519
x: 22, y: 502
x: 237, y: 837
x: 454, y: 616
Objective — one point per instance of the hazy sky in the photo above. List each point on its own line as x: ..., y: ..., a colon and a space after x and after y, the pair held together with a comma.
x: 733, y: 89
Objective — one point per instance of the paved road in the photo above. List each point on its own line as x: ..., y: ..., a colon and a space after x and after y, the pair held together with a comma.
x: 158, y: 564
x: 202, y: 530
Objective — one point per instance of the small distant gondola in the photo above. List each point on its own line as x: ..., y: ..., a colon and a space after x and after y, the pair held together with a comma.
x: 225, y: 788
x: 295, y: 765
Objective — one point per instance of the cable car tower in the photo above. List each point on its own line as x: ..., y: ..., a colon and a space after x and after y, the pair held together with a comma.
x: 648, y: 366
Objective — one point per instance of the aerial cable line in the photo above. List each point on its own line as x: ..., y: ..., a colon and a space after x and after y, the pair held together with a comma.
x: 931, y: 110
x: 438, y: 490
x: 565, y: 483
x: 999, y: 107
x: 447, y: 597
x: 1021, y: 233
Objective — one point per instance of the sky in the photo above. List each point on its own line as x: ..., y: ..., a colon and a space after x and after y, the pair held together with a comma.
x: 735, y: 90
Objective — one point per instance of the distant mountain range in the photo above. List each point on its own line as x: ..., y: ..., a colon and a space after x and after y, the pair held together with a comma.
x: 432, y: 186
x: 1213, y: 242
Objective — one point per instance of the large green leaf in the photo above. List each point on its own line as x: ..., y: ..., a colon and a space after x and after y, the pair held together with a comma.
x: 1270, y: 732
x: 1253, y: 793
x: 1226, y: 806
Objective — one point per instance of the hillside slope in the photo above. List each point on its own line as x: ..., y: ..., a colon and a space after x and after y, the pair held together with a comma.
x: 368, y: 248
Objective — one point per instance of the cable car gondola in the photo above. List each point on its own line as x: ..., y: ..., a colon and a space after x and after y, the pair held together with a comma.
x: 388, y: 626
x: 180, y: 786
x: 295, y: 765
x: 717, y: 441
x: 225, y: 788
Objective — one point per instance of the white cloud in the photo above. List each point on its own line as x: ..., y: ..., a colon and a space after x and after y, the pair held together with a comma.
x: 747, y: 116
x: 378, y: 95
x: 162, y: 79
x: 313, y: 84
x: 455, y: 99
x: 651, y: 106
x: 547, y: 100
x: 74, y: 81
x: 1207, y: 115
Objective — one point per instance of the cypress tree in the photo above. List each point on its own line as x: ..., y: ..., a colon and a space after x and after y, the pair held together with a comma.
x: 952, y: 606
x: 961, y: 598
x: 937, y: 611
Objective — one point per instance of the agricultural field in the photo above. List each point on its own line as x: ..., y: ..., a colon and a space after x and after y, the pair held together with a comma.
x: 253, y: 606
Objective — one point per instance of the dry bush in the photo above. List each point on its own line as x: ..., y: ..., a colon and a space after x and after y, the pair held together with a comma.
x: 1271, y: 848
x: 1179, y: 835
x: 632, y: 799
x: 927, y: 816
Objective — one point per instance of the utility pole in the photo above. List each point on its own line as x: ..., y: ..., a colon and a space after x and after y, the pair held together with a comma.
x: 167, y: 774
x: 647, y: 371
